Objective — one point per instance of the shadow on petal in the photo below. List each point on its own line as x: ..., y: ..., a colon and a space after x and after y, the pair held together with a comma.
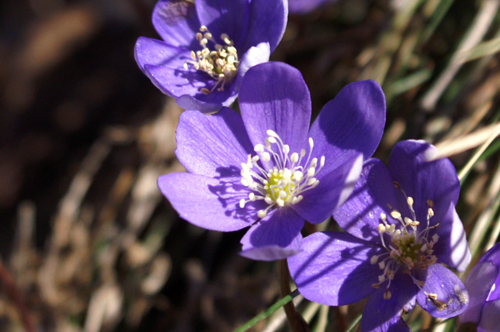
x: 230, y: 192
x: 334, y: 268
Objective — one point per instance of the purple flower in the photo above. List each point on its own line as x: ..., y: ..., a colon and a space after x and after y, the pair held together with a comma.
x: 483, y: 285
x: 401, y: 228
x: 266, y: 168
x: 207, y: 47
x: 305, y: 6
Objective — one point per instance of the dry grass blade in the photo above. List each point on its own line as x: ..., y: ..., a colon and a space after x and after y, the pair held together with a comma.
x: 67, y: 214
x: 483, y: 136
x: 472, y: 38
x: 495, y: 232
x: 484, y: 220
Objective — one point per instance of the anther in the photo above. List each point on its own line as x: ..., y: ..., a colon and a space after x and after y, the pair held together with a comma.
x: 271, y: 133
x: 395, y: 214
x: 259, y: 148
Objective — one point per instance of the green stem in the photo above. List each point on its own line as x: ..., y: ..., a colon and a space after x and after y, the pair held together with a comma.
x: 354, y: 323
x: 269, y: 311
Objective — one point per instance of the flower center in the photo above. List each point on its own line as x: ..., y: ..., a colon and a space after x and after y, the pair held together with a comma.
x: 408, y: 247
x: 286, y: 181
x: 221, y: 63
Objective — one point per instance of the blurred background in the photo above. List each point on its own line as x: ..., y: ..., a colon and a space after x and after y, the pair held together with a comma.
x: 87, y: 242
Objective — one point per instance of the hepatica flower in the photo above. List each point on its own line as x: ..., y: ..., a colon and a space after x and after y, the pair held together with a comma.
x: 401, y: 232
x: 266, y: 168
x: 207, y: 47
x: 483, y: 285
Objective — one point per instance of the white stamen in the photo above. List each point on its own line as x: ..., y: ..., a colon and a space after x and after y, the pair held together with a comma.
x: 283, y: 182
x: 408, y: 247
x: 221, y: 64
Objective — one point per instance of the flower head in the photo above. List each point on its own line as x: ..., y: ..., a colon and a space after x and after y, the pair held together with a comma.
x: 401, y: 228
x: 483, y: 285
x: 266, y: 168
x: 208, y: 46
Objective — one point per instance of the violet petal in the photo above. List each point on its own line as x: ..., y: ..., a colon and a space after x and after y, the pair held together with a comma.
x: 177, y: 23
x: 214, y: 145
x: 304, y: 6
x: 209, y: 203
x: 452, y: 247
x: 443, y: 294
x: 374, y: 191
x: 268, y: 19
x: 207, y: 105
x: 254, y: 56
x: 382, y: 315
x: 493, y: 255
x: 351, y: 123
x: 163, y: 64
x: 490, y: 319
x: 333, y: 189
x: 274, y: 96
x: 334, y: 268
x: 225, y: 16
x: 424, y: 180
x: 478, y: 284
x: 275, y: 237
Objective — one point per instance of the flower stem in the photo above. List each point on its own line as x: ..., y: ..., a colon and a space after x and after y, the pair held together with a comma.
x: 269, y: 311
x: 296, y: 321
x: 354, y: 323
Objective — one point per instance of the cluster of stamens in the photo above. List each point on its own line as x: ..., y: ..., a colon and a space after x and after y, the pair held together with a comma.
x: 285, y: 181
x: 408, y: 247
x: 221, y: 64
